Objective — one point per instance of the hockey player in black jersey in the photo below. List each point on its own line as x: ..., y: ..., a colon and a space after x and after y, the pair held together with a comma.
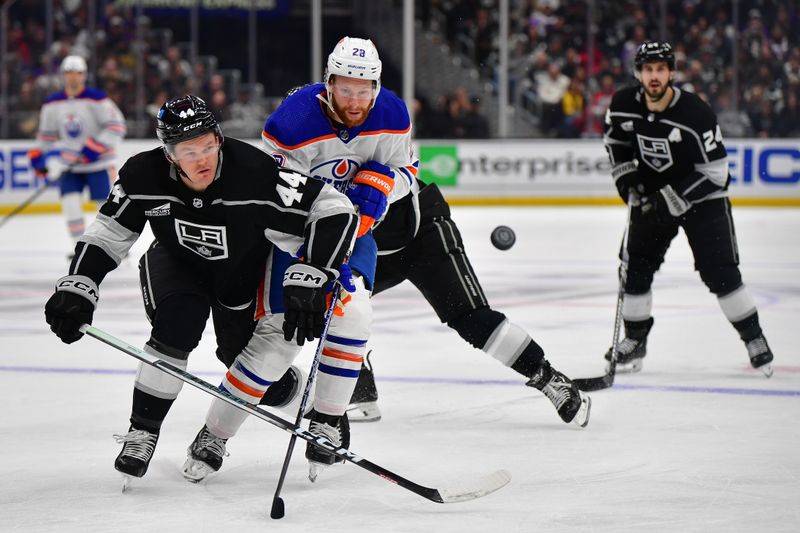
x: 216, y: 208
x: 667, y: 155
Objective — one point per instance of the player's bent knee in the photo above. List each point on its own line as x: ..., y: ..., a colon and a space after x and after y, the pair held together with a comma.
x: 179, y: 321
x: 721, y: 279
x: 356, y: 321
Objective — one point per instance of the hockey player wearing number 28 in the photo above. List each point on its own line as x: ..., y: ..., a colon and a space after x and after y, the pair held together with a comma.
x: 217, y: 209
x: 667, y: 154
x: 351, y: 132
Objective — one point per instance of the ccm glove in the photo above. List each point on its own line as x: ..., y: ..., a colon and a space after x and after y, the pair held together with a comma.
x: 38, y: 165
x: 304, y: 302
x: 72, y: 305
x: 369, y: 192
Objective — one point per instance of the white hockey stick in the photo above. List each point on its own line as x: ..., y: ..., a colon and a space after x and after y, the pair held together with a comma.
x: 460, y: 492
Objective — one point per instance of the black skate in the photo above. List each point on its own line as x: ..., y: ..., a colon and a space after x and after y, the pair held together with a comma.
x: 760, y: 354
x: 572, y: 404
x: 205, y: 456
x: 138, y: 446
x: 364, y: 402
x: 632, y: 349
x: 334, y: 428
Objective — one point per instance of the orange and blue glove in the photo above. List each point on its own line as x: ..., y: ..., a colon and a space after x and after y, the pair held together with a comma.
x: 38, y: 164
x: 369, y: 192
x: 92, y: 151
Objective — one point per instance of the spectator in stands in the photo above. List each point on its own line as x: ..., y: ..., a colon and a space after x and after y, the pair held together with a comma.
x: 787, y: 123
x: 573, y: 105
x: 599, y: 103
x: 475, y: 124
x: 732, y: 122
x: 763, y: 119
x: 551, y: 86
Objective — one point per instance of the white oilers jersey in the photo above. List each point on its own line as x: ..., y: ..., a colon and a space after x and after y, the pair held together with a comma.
x: 300, y: 135
x: 89, y: 119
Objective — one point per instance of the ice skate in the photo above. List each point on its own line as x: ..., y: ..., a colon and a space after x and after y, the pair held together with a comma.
x: 205, y: 456
x: 760, y: 355
x: 138, y: 446
x: 364, y: 402
x: 632, y: 349
x: 572, y: 404
x: 336, y: 429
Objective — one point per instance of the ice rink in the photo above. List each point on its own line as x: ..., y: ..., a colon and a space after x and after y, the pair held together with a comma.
x: 698, y: 441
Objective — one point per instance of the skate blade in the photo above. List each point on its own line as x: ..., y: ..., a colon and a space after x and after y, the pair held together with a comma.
x: 766, y: 370
x: 127, y: 481
x: 364, y: 412
x: 195, y: 471
x: 582, y: 416
x: 631, y: 367
x: 315, y: 469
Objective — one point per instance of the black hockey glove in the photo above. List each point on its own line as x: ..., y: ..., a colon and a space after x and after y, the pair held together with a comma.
x: 665, y: 205
x: 304, y: 302
x: 627, y: 183
x: 72, y: 305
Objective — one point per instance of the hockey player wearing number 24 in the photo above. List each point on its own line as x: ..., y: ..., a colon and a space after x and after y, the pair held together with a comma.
x: 665, y: 147
x: 217, y: 209
x: 349, y: 127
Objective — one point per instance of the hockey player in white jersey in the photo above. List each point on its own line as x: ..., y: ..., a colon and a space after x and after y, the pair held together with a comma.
x: 350, y: 132
x: 84, y: 127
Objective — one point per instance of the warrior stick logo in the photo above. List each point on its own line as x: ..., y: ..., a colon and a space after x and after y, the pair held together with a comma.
x: 655, y: 152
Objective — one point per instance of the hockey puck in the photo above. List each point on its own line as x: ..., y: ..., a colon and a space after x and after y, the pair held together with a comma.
x: 503, y: 237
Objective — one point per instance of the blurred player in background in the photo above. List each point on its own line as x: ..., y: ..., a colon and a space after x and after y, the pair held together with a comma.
x: 351, y: 132
x: 666, y: 150
x: 85, y: 127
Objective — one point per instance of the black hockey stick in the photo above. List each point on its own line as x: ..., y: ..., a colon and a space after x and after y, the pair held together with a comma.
x: 606, y: 381
x: 278, y: 507
x: 32, y: 198
x: 456, y: 493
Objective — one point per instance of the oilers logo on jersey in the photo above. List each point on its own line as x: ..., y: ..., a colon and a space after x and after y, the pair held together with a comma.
x: 72, y: 125
x: 336, y: 172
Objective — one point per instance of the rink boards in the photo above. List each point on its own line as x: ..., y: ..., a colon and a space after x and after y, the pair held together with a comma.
x: 764, y: 172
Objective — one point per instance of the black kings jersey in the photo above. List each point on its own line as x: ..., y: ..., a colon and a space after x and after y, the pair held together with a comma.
x: 225, y: 232
x: 681, y: 146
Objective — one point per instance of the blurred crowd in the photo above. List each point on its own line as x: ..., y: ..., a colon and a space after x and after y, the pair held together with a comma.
x: 551, y: 75
x: 115, y: 67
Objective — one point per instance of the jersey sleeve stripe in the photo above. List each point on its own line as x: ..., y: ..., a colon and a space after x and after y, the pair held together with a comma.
x: 266, y: 136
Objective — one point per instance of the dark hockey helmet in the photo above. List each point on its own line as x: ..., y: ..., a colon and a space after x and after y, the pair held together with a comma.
x: 653, y: 52
x: 184, y: 118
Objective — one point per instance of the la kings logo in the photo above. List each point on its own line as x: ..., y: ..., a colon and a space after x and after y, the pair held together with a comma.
x: 209, y: 242
x: 655, y: 152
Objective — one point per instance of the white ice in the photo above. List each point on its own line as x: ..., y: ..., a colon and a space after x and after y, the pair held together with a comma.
x: 698, y: 441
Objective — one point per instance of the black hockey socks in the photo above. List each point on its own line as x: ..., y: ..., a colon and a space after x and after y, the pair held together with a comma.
x: 529, y: 360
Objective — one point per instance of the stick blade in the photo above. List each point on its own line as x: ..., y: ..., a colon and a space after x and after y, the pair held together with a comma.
x: 594, y: 384
x: 278, y: 509
x: 472, y: 490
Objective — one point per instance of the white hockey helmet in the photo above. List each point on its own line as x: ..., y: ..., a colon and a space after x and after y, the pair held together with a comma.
x: 74, y: 64
x: 355, y: 58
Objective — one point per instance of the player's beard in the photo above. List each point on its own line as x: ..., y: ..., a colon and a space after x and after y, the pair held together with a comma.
x: 656, y: 96
x: 342, y: 114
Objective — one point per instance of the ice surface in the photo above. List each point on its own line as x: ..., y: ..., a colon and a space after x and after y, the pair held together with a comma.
x: 697, y: 442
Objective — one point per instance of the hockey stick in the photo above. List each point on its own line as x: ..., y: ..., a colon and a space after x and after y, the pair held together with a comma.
x: 278, y: 509
x: 606, y: 381
x: 30, y: 199
x: 456, y: 493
